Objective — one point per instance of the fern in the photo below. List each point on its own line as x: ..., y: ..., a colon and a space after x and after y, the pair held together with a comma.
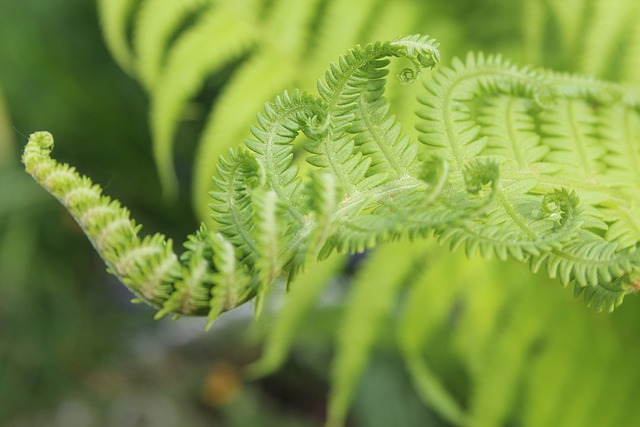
x: 514, y: 163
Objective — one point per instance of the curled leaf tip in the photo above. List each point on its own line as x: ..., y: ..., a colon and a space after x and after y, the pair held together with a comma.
x: 43, y: 139
x: 408, y: 75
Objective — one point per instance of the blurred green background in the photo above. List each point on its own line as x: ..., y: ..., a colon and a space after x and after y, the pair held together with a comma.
x: 73, y: 350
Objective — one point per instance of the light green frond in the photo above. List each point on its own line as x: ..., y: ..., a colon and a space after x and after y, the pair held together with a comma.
x: 188, y: 62
x: 324, y: 195
x: 570, y: 17
x: 631, y: 59
x: 604, y: 296
x: 573, y: 121
x: 115, y: 18
x: 353, y: 91
x: 378, y: 133
x: 608, y: 20
x: 231, y: 205
x: 448, y: 128
x: 548, y: 133
x: 511, y: 133
x: 549, y: 201
x: 364, y: 315
x: 619, y: 130
x: 427, y: 306
x: 300, y: 300
x: 273, y: 143
x: 499, y: 189
x: 233, y: 279
x: 518, y: 225
x: 156, y: 23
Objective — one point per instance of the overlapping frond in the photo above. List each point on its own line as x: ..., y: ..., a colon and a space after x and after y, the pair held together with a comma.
x: 169, y: 52
x: 256, y: 79
x: 261, y: 49
x: 562, y: 203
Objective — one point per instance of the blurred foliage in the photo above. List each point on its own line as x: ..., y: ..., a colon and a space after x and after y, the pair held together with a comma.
x: 75, y: 352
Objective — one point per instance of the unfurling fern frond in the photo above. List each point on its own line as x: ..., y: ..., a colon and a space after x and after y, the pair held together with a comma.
x: 514, y: 164
x: 256, y: 191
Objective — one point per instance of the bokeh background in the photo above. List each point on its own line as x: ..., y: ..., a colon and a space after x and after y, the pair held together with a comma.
x: 74, y: 351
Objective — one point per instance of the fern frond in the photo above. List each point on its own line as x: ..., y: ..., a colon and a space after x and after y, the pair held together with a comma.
x: 631, y: 58
x: 379, y: 134
x: 233, y: 279
x: 300, y: 300
x: 573, y: 120
x: 567, y: 112
x: 115, y: 16
x: 269, y: 238
x: 511, y: 133
x: 515, y: 227
x: 156, y: 23
x: 447, y: 127
x: 364, y: 314
x: 232, y: 203
x: 607, y: 22
x: 188, y: 61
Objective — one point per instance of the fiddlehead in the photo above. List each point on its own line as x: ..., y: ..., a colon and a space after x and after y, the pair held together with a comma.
x: 147, y: 266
